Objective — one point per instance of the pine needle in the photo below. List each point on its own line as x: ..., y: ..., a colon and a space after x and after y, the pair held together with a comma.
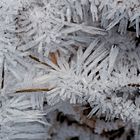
x: 33, y: 90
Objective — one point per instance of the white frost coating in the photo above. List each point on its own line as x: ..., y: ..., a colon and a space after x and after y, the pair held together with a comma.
x: 78, y: 51
x: 112, y: 57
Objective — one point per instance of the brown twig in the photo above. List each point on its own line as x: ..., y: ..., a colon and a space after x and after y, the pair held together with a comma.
x: 52, y: 57
x: 32, y: 90
x: 38, y: 60
x: 3, y: 74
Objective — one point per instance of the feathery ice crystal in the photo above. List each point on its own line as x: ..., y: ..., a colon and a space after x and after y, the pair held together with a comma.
x: 77, y: 51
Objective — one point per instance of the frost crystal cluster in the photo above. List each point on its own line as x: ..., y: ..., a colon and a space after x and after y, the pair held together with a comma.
x: 62, y: 58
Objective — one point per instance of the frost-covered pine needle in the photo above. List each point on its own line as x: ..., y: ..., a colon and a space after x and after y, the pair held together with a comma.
x: 76, y: 51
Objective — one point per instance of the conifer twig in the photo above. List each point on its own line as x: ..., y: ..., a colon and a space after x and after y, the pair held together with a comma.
x: 32, y: 90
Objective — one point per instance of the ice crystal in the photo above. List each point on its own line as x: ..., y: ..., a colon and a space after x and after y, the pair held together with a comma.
x: 80, y: 52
